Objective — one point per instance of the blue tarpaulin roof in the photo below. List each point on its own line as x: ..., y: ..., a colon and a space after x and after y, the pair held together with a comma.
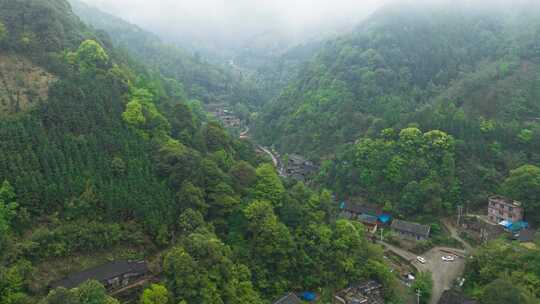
x: 308, y: 296
x: 341, y: 205
x: 384, y: 218
x: 519, y: 225
x: 506, y: 224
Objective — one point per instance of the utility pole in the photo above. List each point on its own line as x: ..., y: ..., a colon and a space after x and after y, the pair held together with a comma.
x: 459, y: 213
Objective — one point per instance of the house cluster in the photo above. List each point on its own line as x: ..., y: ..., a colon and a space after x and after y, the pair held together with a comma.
x: 373, y: 218
x: 114, y: 275
x: 299, y: 168
x: 370, y: 292
x: 224, y: 115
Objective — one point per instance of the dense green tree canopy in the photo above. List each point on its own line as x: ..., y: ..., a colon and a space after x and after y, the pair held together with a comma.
x: 155, y: 294
x: 90, y: 55
x: 90, y: 292
x: 499, y: 263
x: 523, y: 185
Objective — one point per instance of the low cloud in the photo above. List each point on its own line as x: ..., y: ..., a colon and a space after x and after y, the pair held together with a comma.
x: 235, y: 19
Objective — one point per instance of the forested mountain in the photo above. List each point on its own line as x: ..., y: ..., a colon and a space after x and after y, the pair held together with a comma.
x: 469, y: 71
x: 108, y: 160
x: 273, y: 73
x: 202, y: 80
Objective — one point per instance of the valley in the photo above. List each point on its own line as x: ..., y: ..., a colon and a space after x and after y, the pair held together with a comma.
x: 394, y: 161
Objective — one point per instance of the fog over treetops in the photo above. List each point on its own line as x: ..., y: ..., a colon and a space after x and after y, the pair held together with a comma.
x: 221, y: 22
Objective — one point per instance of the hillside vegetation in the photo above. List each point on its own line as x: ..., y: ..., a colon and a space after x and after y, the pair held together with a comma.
x: 201, y: 80
x: 118, y: 163
x: 22, y: 84
x: 469, y: 72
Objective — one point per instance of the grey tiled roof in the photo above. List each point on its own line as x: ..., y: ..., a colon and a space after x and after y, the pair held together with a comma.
x: 289, y: 298
x: 102, y: 272
x: 410, y: 227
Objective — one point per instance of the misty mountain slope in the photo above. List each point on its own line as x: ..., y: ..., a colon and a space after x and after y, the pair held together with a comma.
x: 400, y: 59
x: 115, y: 164
x: 89, y: 167
x: 202, y: 80
x: 276, y: 72
x: 54, y: 150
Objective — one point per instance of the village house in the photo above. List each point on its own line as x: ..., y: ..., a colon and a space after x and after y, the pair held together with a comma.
x: 299, y: 168
x: 503, y: 209
x: 351, y: 210
x: 113, y: 275
x: 230, y: 121
x: 227, y: 117
x: 289, y: 298
x: 370, y: 292
x: 371, y: 216
x: 369, y: 221
x: 410, y: 230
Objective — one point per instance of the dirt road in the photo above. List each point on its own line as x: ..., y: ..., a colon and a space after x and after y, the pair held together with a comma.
x: 274, y: 158
x: 455, y: 235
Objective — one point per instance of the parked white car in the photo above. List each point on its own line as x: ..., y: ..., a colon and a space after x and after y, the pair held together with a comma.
x: 448, y: 258
x: 421, y: 259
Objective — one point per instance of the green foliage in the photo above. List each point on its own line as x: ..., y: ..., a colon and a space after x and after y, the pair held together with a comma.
x: 142, y: 113
x: 155, y: 294
x: 271, y: 247
x: 90, y: 56
x: 12, y: 283
x: 244, y: 175
x: 268, y: 185
x: 499, y: 263
x: 474, y: 79
x: 526, y: 135
x: 8, y: 208
x: 134, y: 114
x: 415, y: 171
x: 3, y: 32
x: 191, y: 197
x: 501, y: 291
x: 72, y: 238
x: 424, y: 284
x: 200, y: 79
x: 90, y: 292
x: 202, y: 271
x: 523, y: 185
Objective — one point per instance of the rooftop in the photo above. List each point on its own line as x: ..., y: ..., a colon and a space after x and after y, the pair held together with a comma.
x: 361, y: 208
x: 414, y: 228
x: 102, y: 272
x: 368, y: 219
x: 289, y: 298
x: 504, y: 200
x: 366, y: 293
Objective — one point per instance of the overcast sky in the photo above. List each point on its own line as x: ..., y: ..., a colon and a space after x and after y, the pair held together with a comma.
x: 238, y: 19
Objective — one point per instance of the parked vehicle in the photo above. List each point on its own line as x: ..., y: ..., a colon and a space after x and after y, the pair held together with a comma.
x: 448, y: 258
x: 421, y: 259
